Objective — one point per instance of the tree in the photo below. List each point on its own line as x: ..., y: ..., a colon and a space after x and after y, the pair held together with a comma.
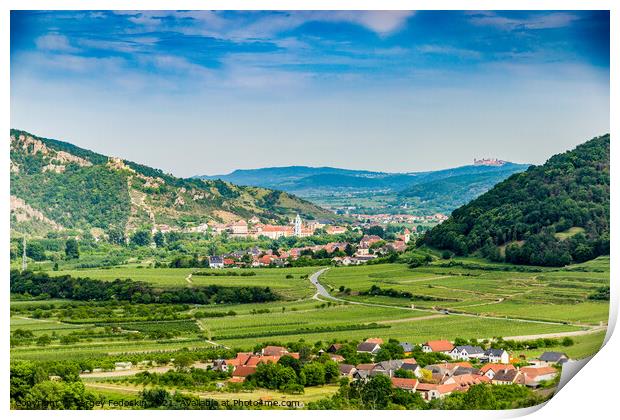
x: 289, y: 361
x: 183, y: 361
x: 154, y: 398
x: 332, y: 371
x: 141, y: 238
x: 35, y: 251
x: 376, y: 393
x: 479, y: 397
x: 159, y: 239
x: 314, y: 373
x: 116, y: 236
x: 72, y: 250
x: 51, y: 395
x: 305, y: 352
x: 402, y: 373
x: 375, y: 230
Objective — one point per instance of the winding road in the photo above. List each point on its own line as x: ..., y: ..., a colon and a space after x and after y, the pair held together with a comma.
x: 322, y: 293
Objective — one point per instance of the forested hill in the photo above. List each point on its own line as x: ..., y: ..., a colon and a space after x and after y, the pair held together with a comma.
x: 57, y: 185
x: 553, y: 214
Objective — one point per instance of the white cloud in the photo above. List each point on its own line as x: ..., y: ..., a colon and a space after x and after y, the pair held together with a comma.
x: 544, y: 21
x: 54, y: 42
x: 262, y: 26
x: 448, y: 50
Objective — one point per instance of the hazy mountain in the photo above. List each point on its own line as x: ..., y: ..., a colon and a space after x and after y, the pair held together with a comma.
x: 446, y: 188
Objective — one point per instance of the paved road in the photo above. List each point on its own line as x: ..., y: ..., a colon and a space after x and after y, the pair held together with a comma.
x: 320, y: 290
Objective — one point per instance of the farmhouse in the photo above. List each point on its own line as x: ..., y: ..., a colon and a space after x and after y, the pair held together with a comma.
x: 220, y: 365
x: 335, y: 230
x: 413, y: 368
x: 239, y: 228
x: 439, y: 346
x: 405, y: 384
x: 368, y: 240
x: 386, y: 368
x: 216, y: 262
x: 495, y: 356
x: 334, y: 348
x: 362, y: 371
x: 467, y: 352
x: 491, y: 369
x: 467, y: 380
x: 242, y: 372
x: 444, y: 370
x: 366, y: 347
x: 407, y: 347
x: 433, y: 391
x: 347, y: 370
x: 549, y: 358
x: 534, y: 375
x: 509, y: 377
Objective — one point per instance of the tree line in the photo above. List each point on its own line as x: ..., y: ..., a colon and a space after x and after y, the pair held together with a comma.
x: 67, y: 287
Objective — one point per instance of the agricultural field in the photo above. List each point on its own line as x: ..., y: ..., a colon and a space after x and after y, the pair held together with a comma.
x: 474, y: 300
x: 555, y: 295
x: 296, y: 286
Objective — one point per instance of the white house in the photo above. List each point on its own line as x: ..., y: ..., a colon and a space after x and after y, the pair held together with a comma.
x: 467, y: 352
x: 496, y: 356
x: 216, y: 262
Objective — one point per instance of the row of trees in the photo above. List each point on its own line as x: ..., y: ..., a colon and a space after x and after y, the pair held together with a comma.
x: 67, y: 287
x: 291, y: 375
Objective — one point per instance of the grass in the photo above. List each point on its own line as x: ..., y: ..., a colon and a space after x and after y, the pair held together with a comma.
x: 585, y: 346
x: 127, y: 392
x: 506, y: 298
x: 570, y: 232
x: 290, y: 288
x: 559, y: 295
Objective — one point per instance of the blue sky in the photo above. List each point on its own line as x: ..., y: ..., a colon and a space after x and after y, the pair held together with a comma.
x: 201, y: 92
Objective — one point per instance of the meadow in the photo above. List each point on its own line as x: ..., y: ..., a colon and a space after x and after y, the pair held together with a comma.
x: 555, y: 295
x: 470, y: 299
x: 294, y: 287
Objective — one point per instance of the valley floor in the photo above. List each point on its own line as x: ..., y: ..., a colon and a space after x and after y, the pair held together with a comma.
x: 319, y: 305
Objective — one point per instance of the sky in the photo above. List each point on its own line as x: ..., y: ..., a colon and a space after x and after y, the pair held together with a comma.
x: 208, y: 92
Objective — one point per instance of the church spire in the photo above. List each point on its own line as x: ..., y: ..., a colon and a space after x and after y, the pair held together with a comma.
x: 297, y: 226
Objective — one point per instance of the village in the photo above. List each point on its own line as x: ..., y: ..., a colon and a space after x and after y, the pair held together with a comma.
x: 456, y: 368
x: 344, y: 253
x: 467, y: 365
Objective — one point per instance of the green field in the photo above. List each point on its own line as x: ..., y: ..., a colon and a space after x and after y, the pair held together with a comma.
x: 558, y: 295
x: 482, y: 301
x: 290, y: 288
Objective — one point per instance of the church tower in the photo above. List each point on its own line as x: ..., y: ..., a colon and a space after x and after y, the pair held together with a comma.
x: 297, y: 226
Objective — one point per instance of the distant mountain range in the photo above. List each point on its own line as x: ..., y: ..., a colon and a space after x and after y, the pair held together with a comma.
x: 442, y: 188
x: 57, y: 185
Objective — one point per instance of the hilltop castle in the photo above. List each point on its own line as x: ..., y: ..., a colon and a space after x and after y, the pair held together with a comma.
x: 489, y: 162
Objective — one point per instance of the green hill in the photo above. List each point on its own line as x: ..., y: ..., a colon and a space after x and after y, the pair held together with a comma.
x: 530, y: 218
x: 454, y: 191
x: 56, y: 185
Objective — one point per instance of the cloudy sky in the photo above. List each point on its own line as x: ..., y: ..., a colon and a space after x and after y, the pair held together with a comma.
x: 200, y: 92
